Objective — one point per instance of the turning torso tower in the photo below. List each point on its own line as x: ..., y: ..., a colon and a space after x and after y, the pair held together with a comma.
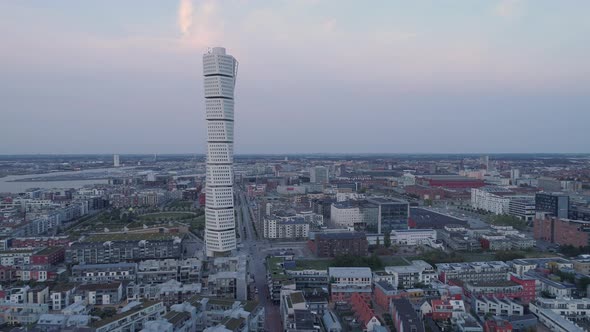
x: 220, y: 71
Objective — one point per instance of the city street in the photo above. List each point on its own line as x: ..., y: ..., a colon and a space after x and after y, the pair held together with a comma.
x: 256, y: 250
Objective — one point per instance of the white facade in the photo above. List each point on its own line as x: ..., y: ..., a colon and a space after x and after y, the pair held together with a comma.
x: 489, y: 201
x: 350, y: 276
x: 220, y: 70
x: 413, y: 237
x: 116, y: 161
x: 275, y: 228
x: 504, y: 307
x: 345, y: 216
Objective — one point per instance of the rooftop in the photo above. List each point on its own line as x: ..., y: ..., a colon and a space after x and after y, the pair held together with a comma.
x: 49, y: 250
x: 350, y: 272
x: 131, y: 237
x: 114, y: 318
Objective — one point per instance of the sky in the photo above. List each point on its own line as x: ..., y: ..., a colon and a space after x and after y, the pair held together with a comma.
x: 440, y: 76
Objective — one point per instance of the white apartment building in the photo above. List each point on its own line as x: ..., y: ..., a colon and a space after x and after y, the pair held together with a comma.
x: 294, y: 228
x: 408, y: 276
x: 351, y: 276
x: 413, y: 237
x: 496, y: 306
x: 554, y: 319
x: 491, y: 198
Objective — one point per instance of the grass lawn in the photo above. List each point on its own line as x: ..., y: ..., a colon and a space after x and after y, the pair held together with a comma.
x: 394, y: 260
x: 197, y: 223
x: 181, y: 204
x: 315, y: 264
x: 167, y: 215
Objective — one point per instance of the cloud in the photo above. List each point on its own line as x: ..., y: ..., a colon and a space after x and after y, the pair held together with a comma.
x: 185, y: 16
x: 201, y: 25
x: 508, y: 8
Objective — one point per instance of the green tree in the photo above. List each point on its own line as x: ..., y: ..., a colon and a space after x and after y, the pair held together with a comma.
x: 507, y: 255
x: 387, y: 239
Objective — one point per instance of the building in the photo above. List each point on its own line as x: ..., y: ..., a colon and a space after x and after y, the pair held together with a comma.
x: 158, y: 271
x: 473, y: 272
x: 548, y: 184
x: 553, y: 318
x: 116, y: 160
x: 98, y: 273
x: 357, y: 214
x: 319, y: 175
x: 444, y: 309
x: 561, y: 231
x: 331, y: 322
x: 491, y: 198
x: 170, y: 292
x: 405, y: 317
x: 345, y: 281
x: 119, y: 247
x: 338, y: 244
x: 413, y: 237
x: 392, y: 214
x: 131, y: 317
x: 450, y: 181
x: 408, y: 276
x: 309, y: 278
x: 384, y: 291
x: 100, y: 294
x: 556, y: 204
x: 21, y: 313
x: 220, y: 71
x: 522, y: 207
x: 61, y: 296
x: 49, y: 255
x: 426, y: 219
x: 295, y: 315
x: 292, y: 228
x: 364, y: 313
x: 497, y: 306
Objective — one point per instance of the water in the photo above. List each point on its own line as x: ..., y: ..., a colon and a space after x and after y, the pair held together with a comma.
x: 15, y: 187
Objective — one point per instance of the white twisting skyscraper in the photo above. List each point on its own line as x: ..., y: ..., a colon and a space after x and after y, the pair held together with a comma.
x: 220, y: 71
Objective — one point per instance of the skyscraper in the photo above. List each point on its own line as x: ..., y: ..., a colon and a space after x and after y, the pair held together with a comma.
x: 220, y: 71
x: 116, y: 162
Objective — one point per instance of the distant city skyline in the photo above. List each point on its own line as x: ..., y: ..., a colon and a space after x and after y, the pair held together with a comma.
x: 111, y: 77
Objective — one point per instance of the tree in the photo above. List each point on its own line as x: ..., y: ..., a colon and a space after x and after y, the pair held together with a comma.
x: 583, y: 283
x: 387, y: 239
x: 378, y: 242
x: 507, y: 255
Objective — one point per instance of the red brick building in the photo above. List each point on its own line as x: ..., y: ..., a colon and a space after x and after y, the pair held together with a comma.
x: 450, y: 181
x: 426, y: 192
x: 562, y: 231
x: 40, y: 242
x: 529, y: 290
x: 337, y: 244
x: 383, y: 293
x: 362, y: 309
x: 497, y: 326
x: 49, y: 256
x: 7, y: 274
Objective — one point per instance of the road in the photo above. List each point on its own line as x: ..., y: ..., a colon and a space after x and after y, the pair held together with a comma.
x: 256, y: 249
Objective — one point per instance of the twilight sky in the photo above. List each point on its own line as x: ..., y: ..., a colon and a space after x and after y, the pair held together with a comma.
x: 116, y: 76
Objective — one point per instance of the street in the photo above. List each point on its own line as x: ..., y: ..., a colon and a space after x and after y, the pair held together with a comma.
x: 256, y: 250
